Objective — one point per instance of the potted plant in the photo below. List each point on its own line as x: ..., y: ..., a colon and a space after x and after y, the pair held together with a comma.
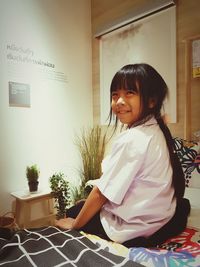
x: 61, y: 192
x: 91, y: 145
x: 32, y: 175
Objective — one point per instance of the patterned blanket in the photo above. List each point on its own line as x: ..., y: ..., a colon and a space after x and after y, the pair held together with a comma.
x: 180, y: 251
x: 49, y: 246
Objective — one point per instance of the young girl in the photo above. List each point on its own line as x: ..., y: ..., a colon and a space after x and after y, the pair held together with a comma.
x: 138, y: 201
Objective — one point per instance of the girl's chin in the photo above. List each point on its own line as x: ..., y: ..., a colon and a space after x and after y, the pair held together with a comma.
x: 126, y: 121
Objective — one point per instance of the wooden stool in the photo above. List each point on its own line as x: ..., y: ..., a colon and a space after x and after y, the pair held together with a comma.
x: 24, y: 203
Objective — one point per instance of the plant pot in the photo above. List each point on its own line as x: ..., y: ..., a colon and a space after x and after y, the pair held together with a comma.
x: 33, y: 186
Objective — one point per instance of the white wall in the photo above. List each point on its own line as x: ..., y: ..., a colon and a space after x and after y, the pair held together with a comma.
x: 58, y: 32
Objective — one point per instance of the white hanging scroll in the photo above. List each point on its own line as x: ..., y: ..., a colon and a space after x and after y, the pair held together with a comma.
x: 150, y: 40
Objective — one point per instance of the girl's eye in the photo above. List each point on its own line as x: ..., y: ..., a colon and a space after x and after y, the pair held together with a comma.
x: 131, y: 93
x: 114, y: 95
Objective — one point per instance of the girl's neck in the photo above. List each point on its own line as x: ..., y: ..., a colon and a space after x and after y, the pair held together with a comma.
x: 140, y: 121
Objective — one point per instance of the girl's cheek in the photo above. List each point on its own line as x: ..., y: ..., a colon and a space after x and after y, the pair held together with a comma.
x: 113, y: 106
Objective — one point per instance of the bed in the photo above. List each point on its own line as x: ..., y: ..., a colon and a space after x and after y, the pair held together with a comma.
x: 50, y: 246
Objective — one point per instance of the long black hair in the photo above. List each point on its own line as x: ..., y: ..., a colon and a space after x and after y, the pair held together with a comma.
x: 145, y: 80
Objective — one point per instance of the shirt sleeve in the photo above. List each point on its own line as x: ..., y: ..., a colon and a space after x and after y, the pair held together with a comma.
x: 120, y: 170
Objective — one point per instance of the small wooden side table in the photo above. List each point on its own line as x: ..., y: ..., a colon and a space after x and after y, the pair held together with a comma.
x: 24, y: 202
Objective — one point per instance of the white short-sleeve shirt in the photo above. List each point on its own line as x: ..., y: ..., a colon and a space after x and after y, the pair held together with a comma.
x: 137, y: 181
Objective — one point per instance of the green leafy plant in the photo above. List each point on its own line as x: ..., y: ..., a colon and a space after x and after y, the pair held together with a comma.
x: 60, y: 190
x: 32, y: 173
x: 91, y: 144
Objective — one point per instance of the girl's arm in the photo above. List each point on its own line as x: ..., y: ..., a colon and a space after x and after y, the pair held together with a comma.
x: 92, y: 205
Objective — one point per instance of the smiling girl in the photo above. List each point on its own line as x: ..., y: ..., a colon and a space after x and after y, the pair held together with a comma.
x: 138, y: 201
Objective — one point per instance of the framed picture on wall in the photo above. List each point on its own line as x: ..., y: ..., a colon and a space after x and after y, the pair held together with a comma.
x: 196, y: 58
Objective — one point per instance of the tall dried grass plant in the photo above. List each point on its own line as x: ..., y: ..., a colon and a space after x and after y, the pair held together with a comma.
x: 92, y: 146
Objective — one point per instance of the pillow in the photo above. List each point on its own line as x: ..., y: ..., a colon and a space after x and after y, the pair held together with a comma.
x: 188, y: 154
x: 193, y: 195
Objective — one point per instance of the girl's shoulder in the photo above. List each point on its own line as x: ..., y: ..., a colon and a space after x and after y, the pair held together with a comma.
x: 144, y: 131
x: 141, y: 137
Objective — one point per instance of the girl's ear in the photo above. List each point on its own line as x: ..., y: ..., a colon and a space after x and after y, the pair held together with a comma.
x: 152, y: 102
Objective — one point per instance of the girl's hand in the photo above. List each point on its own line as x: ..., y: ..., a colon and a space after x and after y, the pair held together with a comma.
x: 66, y: 223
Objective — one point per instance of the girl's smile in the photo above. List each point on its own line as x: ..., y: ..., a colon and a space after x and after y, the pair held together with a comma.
x: 126, y: 106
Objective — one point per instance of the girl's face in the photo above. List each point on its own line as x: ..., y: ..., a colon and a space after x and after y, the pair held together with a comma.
x: 126, y: 105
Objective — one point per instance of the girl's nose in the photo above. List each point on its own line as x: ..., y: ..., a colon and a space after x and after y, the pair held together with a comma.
x: 120, y: 101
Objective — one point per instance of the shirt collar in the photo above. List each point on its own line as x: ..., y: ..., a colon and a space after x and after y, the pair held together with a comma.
x: 148, y: 120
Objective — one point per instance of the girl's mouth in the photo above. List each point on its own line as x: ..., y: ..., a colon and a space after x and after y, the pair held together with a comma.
x: 123, y: 111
